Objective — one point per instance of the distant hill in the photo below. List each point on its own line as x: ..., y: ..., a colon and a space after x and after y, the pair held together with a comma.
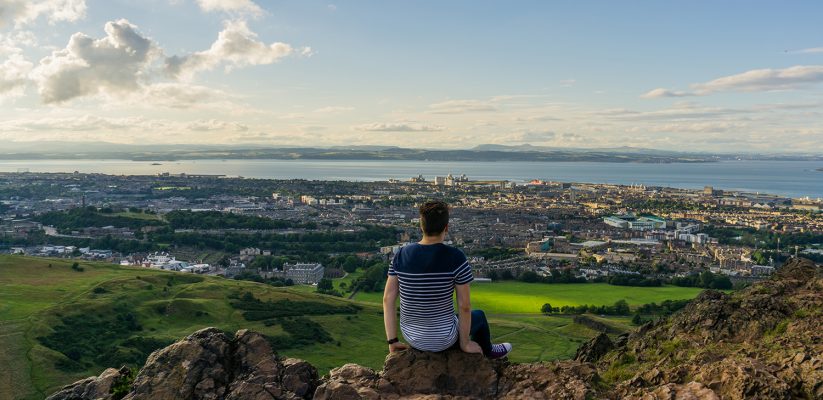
x: 483, y: 152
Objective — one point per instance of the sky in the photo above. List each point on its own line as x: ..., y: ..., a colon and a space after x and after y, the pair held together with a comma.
x: 730, y: 76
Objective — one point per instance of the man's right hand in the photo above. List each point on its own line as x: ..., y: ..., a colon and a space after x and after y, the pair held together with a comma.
x: 394, y: 347
x: 471, y: 347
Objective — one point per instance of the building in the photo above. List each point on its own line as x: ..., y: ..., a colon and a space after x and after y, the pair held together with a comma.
x: 306, y: 274
x: 633, y: 222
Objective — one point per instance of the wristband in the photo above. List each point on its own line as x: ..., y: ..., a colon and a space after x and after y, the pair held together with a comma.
x: 393, y: 341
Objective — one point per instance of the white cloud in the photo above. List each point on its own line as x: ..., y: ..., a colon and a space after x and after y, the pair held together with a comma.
x: 245, y: 7
x: 796, y: 77
x: 73, y: 124
x: 461, y: 106
x: 757, y: 80
x: 216, y: 125
x: 236, y: 46
x: 661, y: 92
x: 13, y: 74
x: 183, y: 95
x: 811, y: 50
x: 22, y: 12
x: 398, y: 127
x: 333, y: 109
x: 568, y: 82
x: 87, y: 66
x: 532, y: 136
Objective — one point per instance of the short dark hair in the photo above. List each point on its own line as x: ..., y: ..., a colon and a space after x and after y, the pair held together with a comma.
x: 434, y: 216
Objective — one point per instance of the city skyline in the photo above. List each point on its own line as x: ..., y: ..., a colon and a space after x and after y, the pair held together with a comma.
x: 688, y: 77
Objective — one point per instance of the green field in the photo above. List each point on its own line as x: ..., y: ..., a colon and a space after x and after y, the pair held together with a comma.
x: 38, y: 294
x: 513, y: 297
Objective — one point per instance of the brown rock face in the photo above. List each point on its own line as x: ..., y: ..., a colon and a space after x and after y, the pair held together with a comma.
x: 592, y: 350
x: 95, y: 387
x: 453, y: 374
x: 208, y: 364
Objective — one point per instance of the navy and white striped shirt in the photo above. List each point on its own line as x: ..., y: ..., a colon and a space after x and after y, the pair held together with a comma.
x: 427, y: 275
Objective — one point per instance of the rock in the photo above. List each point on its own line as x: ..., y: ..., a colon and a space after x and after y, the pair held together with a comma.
x: 672, y: 391
x: 92, y: 388
x: 208, y: 364
x: 451, y: 372
x: 559, y: 380
x: 592, y: 350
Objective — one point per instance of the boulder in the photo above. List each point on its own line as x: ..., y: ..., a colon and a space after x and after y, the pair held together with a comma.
x: 93, y: 388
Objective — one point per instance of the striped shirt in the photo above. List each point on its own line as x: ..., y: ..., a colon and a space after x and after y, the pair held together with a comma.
x: 427, y: 275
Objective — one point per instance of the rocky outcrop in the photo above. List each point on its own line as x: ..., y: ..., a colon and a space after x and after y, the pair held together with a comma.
x: 208, y: 364
x: 95, y: 387
x: 592, y: 350
x: 764, y: 342
x: 456, y: 375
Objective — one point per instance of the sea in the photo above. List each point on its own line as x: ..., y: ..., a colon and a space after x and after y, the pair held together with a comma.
x: 786, y: 178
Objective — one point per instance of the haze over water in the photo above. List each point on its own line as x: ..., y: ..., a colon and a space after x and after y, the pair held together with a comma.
x: 787, y: 178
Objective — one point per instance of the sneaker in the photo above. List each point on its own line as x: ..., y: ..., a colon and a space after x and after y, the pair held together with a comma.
x: 500, y: 350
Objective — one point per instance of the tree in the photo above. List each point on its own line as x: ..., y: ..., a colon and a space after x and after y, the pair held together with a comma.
x: 351, y: 264
x: 492, y: 275
x: 324, y: 285
x: 546, y: 309
x: 621, y: 307
x: 637, y: 319
x: 529, y: 276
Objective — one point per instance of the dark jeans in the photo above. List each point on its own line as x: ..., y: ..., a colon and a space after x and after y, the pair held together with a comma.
x: 479, y: 332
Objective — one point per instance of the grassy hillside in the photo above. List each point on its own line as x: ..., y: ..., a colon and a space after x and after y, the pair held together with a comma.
x: 59, y: 324
x: 106, y: 314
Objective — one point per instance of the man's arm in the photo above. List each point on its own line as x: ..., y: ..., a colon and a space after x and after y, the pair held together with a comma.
x: 464, y: 318
x: 390, y: 312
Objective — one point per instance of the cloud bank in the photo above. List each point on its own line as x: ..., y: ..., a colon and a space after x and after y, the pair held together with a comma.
x: 757, y: 80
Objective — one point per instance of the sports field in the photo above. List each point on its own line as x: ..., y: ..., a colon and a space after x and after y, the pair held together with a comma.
x: 513, y: 297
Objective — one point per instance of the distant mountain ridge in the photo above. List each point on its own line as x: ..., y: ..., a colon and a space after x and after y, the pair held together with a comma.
x: 484, y: 152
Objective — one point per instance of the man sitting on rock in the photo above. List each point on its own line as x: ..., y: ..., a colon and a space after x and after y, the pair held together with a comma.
x: 425, y: 275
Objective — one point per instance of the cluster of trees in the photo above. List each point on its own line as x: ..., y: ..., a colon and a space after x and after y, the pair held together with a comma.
x: 325, y: 286
x: 620, y: 307
x: 257, y: 310
x: 705, y: 279
x: 309, y: 247
x: 184, y: 219
x: 497, y: 253
x: 300, y: 331
x: 529, y: 276
x: 253, y: 277
x: 633, y: 280
x: 100, y: 338
x: 83, y: 217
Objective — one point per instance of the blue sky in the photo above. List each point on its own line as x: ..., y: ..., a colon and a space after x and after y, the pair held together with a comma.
x: 697, y: 75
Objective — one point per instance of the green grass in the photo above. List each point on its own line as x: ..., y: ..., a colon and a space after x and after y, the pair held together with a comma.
x: 519, y: 297
x: 512, y: 297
